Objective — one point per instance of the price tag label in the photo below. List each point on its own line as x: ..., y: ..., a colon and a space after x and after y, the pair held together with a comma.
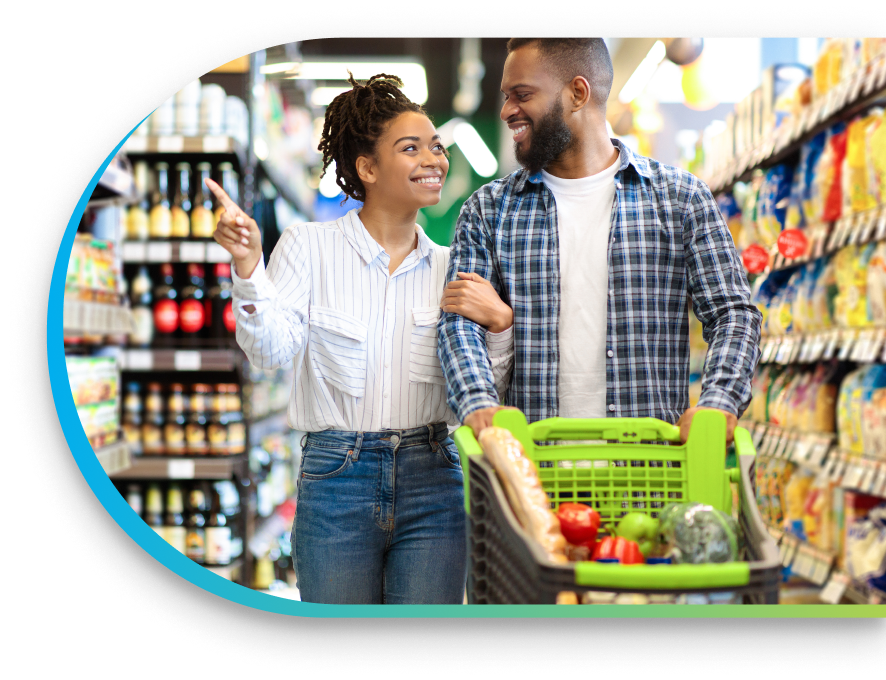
x: 789, y: 550
x: 852, y: 477
x: 187, y: 360
x: 852, y: 225
x: 820, y: 571
x: 138, y: 360
x: 159, y: 251
x: 818, y: 453
x: 136, y: 144
x: 801, y: 566
x: 831, y: 347
x: 880, y: 490
x: 881, y: 224
x: 855, y: 85
x: 859, y: 347
x: 875, y: 479
x: 191, y: 251
x: 870, y: 79
x: 133, y: 251
x: 170, y: 144
x: 216, y: 144
x: 780, y: 445
x: 836, y: 586
x: 215, y: 253
x: 180, y: 469
x: 868, y: 472
x: 846, y: 343
x: 801, y: 450
x: 881, y: 76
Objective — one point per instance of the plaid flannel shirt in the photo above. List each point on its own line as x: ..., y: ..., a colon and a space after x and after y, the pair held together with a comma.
x: 668, y: 244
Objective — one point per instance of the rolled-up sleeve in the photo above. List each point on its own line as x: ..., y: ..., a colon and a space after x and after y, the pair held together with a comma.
x: 462, y: 346
x: 273, y: 332
x: 721, y: 299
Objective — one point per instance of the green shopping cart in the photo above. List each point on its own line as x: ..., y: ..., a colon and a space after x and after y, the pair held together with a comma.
x: 616, y: 466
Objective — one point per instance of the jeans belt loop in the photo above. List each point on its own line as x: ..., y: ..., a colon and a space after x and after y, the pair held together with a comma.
x: 357, y: 444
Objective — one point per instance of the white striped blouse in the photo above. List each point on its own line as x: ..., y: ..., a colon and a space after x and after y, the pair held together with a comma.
x: 363, y: 341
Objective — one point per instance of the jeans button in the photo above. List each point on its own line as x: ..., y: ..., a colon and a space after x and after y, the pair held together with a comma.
x: 395, y: 439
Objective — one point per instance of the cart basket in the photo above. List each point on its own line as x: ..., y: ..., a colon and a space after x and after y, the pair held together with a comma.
x: 630, y: 465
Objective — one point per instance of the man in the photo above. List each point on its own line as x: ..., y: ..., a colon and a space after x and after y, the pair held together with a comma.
x: 598, y: 252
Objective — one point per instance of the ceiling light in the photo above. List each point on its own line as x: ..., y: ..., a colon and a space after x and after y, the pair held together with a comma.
x: 279, y: 67
x: 475, y: 150
x: 643, y: 73
x: 415, y: 84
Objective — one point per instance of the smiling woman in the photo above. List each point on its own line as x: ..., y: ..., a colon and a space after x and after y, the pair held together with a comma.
x: 355, y: 304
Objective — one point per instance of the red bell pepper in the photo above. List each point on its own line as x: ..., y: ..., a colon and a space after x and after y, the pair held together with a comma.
x: 625, y: 551
x: 578, y: 522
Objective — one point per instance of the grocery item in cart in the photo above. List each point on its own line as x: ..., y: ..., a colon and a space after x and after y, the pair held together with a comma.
x: 694, y: 533
x: 521, y: 483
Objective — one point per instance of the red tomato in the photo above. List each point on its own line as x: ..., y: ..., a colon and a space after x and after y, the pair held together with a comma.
x: 625, y: 551
x: 578, y: 522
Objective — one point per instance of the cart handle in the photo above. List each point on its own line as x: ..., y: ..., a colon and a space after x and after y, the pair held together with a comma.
x: 611, y: 429
x: 661, y: 577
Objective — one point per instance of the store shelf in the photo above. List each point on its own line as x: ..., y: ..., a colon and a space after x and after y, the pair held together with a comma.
x: 115, y: 458
x: 181, y: 467
x: 863, y: 345
x: 863, y: 89
x: 145, y: 145
x: 270, y: 424
x: 96, y: 318
x: 178, y: 359
x: 228, y: 570
x: 147, y: 252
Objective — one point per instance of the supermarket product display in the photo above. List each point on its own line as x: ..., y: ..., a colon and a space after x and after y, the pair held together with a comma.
x: 815, y: 203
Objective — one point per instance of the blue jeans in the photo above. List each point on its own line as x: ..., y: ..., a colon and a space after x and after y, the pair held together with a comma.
x: 380, y: 518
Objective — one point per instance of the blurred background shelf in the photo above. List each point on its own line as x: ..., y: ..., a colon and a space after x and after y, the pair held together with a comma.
x: 182, y: 467
x: 96, y: 318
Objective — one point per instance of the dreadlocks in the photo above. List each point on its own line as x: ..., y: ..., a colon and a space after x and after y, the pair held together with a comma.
x: 354, y: 122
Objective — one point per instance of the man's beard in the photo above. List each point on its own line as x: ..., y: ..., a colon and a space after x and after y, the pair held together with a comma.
x: 549, y: 138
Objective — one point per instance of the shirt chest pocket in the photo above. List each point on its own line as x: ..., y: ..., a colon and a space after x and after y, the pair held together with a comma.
x: 338, y: 349
x: 424, y: 366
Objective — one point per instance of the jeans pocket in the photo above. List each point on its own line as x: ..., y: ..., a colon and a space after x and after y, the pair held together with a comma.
x: 449, y: 454
x: 319, y: 462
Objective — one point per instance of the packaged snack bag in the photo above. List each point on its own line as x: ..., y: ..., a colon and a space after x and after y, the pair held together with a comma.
x: 781, y: 475
x: 821, y: 411
x: 877, y: 156
x: 875, y: 279
x: 874, y: 379
x: 875, y: 440
x: 832, y: 182
x: 874, y: 185
x: 824, y: 292
x: 799, y: 400
x: 778, y: 386
x: 817, y: 513
x: 774, y: 198
x: 858, y: 197
x: 795, y: 492
x: 810, y: 155
x: 851, y: 383
x: 866, y: 547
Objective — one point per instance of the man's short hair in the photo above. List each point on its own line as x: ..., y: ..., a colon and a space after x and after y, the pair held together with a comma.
x: 571, y: 57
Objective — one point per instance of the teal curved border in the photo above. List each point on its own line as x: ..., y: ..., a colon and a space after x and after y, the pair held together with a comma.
x: 168, y: 556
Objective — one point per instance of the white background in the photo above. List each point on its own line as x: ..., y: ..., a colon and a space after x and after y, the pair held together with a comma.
x: 87, y: 75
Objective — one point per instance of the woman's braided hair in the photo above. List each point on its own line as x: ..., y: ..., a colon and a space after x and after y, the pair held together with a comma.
x: 355, y: 120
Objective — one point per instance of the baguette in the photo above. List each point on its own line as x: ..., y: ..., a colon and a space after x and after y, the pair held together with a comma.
x: 523, y: 488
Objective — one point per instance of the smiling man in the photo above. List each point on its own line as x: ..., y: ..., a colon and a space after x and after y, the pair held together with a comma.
x: 599, y: 252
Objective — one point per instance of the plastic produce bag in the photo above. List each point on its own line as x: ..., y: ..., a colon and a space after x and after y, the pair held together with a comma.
x: 694, y: 533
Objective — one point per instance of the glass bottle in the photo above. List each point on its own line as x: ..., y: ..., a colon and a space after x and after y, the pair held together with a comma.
x: 152, y: 427
x: 230, y: 183
x: 181, y: 203
x: 137, y: 220
x: 192, y: 310
x: 218, y: 533
x: 142, y: 309
x: 161, y: 214
x: 195, y: 522
x: 195, y: 430
x: 166, y: 307
x: 174, y: 524
x: 202, y: 221
x: 174, y: 429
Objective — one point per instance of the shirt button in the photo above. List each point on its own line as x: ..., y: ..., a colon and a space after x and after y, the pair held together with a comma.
x: 395, y: 439
x: 609, y: 353
x: 611, y: 407
x: 388, y: 394
x: 387, y: 364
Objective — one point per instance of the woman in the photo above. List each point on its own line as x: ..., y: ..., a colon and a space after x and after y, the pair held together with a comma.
x: 354, y: 304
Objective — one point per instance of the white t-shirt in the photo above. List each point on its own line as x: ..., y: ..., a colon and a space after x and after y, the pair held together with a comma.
x: 584, y: 209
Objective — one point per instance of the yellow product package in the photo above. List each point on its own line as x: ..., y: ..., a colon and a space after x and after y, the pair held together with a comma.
x: 876, y: 285
x: 857, y: 198
x: 876, y: 143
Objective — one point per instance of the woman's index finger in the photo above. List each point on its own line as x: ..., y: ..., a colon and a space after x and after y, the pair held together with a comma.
x: 223, y: 197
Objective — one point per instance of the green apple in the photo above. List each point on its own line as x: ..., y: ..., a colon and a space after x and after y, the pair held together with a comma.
x: 639, y: 527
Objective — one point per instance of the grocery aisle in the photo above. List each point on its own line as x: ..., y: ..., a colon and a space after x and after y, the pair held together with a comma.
x: 804, y: 187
